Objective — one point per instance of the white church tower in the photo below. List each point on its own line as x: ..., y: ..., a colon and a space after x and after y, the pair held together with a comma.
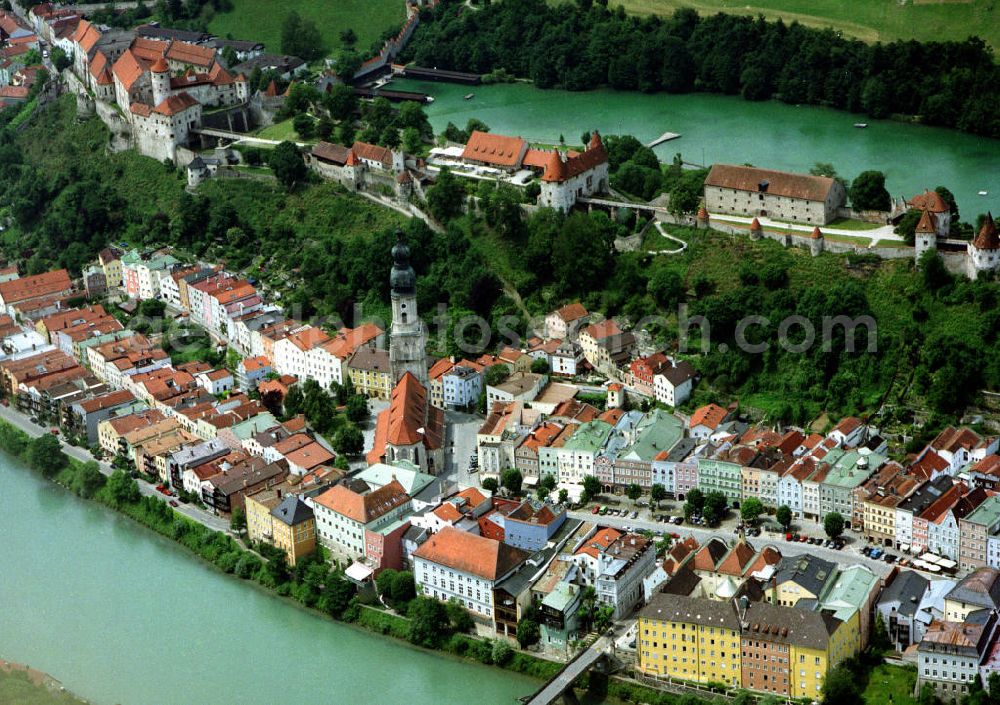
x: 407, y: 339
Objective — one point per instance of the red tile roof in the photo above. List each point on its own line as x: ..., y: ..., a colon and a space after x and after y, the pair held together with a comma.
x: 493, y: 149
x: 471, y: 554
x: 364, y: 508
x: 604, y: 329
x: 193, y: 54
x: 929, y: 201
x: 599, y: 542
x: 557, y: 170
x: 710, y: 415
x: 177, y: 103
x: 779, y: 183
x: 34, y: 286
x: 128, y: 69
x: 987, y: 239
x: 373, y: 153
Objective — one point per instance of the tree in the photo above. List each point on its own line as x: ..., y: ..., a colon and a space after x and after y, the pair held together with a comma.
x: 496, y: 374
x: 880, y: 635
x: 591, y: 488
x: 238, y: 521
x: 412, y: 141
x: 304, y: 125
x: 563, y: 495
x: 751, y: 509
x: 633, y: 492
x: 490, y: 484
x: 840, y: 686
x: 868, y: 192
x: 336, y: 595
x: 784, y: 516
x: 403, y: 587
x: 715, y: 509
x: 46, y: 455
x: 657, y: 493
x: 341, y: 101
x: 88, y: 480
x: 540, y: 366
x: 287, y: 164
x: 666, y: 287
x: 928, y: 695
x: 833, y: 525
x: 695, y: 501
x: 823, y: 169
x: 458, y: 617
x: 357, y: 408
x: 428, y: 621
x: 501, y: 652
x: 446, y: 197
x: 548, y: 481
x: 121, y: 489
x: 348, y: 37
x: 511, y: 480
x: 542, y: 493
x: 349, y: 440
x: 294, y: 400
x: 684, y: 198
x: 528, y: 633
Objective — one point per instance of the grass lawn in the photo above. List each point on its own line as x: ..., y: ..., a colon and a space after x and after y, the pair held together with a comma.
x: 890, y: 681
x: 869, y: 20
x: 279, y: 131
x: 261, y: 20
x: 17, y: 688
x: 851, y: 224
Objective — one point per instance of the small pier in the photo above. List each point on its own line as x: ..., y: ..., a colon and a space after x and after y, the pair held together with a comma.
x: 665, y: 137
x: 423, y: 73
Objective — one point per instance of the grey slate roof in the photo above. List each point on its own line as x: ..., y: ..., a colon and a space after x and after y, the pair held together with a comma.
x: 810, y: 572
x: 292, y: 511
x: 789, y: 625
x: 908, y: 590
x: 981, y: 587
x: 691, y: 610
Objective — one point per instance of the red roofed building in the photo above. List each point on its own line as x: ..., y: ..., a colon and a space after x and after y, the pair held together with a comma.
x: 344, y: 516
x: 497, y: 151
x: 706, y: 420
x: 749, y: 191
x: 38, y: 286
x: 563, y: 323
x: 453, y: 564
x: 410, y: 429
x: 567, y: 179
x: 984, y: 251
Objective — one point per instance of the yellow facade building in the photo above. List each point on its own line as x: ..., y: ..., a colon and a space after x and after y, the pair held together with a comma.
x: 690, y: 638
x: 785, y: 651
x: 371, y: 373
x: 283, y: 521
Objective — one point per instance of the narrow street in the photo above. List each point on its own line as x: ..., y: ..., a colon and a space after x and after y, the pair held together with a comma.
x: 147, y: 490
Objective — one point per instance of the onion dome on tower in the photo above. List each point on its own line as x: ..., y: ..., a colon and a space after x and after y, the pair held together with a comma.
x: 402, y: 279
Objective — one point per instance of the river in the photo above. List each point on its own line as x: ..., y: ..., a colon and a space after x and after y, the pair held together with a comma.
x: 121, y: 615
x: 727, y: 129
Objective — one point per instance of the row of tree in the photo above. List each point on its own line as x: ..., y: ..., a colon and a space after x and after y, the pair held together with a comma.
x: 583, y: 46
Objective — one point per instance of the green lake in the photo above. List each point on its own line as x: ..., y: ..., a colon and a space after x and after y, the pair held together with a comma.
x: 728, y: 129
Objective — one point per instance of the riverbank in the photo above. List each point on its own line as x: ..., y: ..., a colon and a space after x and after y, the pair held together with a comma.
x: 21, y: 685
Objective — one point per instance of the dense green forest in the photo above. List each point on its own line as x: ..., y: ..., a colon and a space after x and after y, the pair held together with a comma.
x: 584, y: 45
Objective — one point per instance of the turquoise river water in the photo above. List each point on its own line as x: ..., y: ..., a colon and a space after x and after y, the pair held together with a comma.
x: 121, y: 615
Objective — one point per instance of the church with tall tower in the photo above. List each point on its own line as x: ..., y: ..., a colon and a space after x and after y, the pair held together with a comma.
x: 408, y: 337
x: 410, y: 430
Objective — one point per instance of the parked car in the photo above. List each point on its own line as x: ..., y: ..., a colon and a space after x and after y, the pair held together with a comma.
x: 595, y: 510
x: 173, y: 503
x: 635, y: 514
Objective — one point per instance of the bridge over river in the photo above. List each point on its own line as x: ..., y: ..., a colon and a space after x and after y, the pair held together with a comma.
x: 561, y: 684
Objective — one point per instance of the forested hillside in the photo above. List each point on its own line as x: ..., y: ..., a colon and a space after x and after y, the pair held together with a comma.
x: 581, y: 46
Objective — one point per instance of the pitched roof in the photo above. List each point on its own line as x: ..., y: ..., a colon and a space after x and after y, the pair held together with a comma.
x: 710, y: 415
x: 926, y: 224
x: 604, y: 329
x: 929, y: 201
x: 572, y: 312
x: 292, y: 511
x: 364, y: 508
x: 471, y: 554
x: 194, y: 54
x: 777, y: 183
x: 557, y: 170
x: 128, y: 69
x: 34, y: 286
x: 176, y: 103
x: 599, y: 542
x: 493, y: 149
x: 406, y: 411
x: 373, y: 152
x: 987, y: 239
x: 331, y: 152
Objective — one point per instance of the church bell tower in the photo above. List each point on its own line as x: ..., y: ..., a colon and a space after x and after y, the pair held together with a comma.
x: 407, y: 339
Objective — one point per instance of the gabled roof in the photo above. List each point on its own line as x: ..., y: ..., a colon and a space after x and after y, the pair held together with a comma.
x: 776, y: 183
x: 128, y: 69
x: 710, y: 416
x: 471, y: 554
x: 373, y: 153
x: 194, y: 54
x: 926, y: 224
x: 493, y: 149
x: 557, y: 170
x: 364, y: 508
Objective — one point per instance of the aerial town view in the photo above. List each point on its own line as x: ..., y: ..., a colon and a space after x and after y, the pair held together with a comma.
x: 420, y: 352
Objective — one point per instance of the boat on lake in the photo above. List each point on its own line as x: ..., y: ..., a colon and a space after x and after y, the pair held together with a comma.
x: 861, y: 125
x: 469, y: 96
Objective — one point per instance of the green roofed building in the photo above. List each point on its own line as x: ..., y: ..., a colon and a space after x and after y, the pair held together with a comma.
x: 577, y: 455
